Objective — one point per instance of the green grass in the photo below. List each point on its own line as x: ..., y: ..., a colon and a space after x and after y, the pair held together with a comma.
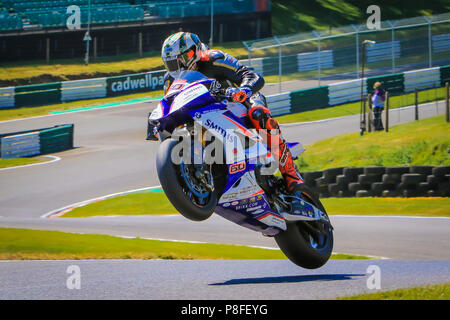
x: 7, y: 163
x: 21, y: 244
x: 131, y: 204
x: 432, y: 292
x: 26, y: 112
x: 300, y: 16
x: 157, y: 203
x: 425, y: 207
x: 354, y: 107
x: 423, y: 142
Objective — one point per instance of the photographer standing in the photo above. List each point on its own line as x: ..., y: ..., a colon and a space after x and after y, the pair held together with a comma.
x: 378, y: 98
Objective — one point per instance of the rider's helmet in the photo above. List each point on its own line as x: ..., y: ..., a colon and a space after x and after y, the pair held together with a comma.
x: 181, y: 51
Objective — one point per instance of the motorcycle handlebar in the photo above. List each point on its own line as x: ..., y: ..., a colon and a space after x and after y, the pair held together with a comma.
x: 222, y: 94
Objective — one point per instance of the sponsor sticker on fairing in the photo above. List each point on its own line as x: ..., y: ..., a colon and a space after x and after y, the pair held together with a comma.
x: 272, y: 220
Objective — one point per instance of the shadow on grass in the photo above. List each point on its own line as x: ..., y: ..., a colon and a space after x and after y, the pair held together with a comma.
x: 291, y: 279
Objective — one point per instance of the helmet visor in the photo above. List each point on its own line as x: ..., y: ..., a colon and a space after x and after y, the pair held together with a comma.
x: 172, y: 65
x: 188, y: 57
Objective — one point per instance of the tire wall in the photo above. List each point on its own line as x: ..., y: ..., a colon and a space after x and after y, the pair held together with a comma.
x: 413, y: 181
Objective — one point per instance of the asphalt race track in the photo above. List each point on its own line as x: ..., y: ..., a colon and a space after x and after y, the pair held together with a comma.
x: 111, y: 155
x: 388, y: 237
x: 210, y: 279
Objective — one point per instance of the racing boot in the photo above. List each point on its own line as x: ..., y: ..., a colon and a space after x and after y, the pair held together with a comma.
x: 270, y: 131
x: 288, y: 168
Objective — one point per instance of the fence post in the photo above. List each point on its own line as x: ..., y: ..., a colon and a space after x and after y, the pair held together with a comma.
x: 416, y: 102
x: 95, y: 48
x: 386, y: 127
x: 447, y: 103
x: 364, y: 114
x: 279, y: 63
x: 47, y: 50
x: 392, y: 25
x: 357, y: 54
x: 369, y: 113
x: 318, y: 59
x: 430, y: 54
x: 140, y: 44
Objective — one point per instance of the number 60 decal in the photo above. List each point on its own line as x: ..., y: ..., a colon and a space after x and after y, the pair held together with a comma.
x: 237, y: 167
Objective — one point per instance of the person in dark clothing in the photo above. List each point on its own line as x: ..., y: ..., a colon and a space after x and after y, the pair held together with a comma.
x: 185, y: 51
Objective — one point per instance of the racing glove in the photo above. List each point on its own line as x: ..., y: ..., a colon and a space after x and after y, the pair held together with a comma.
x: 239, y: 94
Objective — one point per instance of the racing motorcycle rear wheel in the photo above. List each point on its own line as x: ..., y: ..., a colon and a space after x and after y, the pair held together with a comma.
x: 182, y: 186
x: 308, y: 244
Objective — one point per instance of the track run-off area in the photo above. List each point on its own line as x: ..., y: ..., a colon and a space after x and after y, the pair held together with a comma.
x: 112, y: 156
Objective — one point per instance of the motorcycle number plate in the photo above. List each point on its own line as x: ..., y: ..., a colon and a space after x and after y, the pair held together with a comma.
x: 237, y: 167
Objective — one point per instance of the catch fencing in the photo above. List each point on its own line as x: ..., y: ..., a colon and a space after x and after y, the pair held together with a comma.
x: 400, y: 45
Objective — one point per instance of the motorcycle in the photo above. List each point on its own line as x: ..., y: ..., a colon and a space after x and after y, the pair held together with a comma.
x: 210, y: 160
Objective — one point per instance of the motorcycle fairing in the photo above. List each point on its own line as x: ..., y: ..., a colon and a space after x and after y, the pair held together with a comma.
x: 243, y: 200
x: 242, y: 193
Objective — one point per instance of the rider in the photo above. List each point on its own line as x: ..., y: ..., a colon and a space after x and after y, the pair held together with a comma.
x: 185, y: 51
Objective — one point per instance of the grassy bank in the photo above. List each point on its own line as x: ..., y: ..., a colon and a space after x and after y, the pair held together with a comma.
x: 131, y: 204
x: 423, y: 142
x: 8, y: 163
x: 20, y: 244
x: 300, y: 16
x: 425, y: 207
x: 432, y: 292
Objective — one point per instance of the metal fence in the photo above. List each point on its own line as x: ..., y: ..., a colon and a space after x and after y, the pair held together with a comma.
x: 337, y: 53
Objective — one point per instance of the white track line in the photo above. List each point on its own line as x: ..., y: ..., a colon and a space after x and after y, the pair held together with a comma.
x: 83, y: 110
x: 55, y: 159
x: 61, y: 211
x: 243, y: 245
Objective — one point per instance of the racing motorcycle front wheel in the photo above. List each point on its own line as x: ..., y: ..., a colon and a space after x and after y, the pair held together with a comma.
x: 185, y: 185
x: 308, y: 244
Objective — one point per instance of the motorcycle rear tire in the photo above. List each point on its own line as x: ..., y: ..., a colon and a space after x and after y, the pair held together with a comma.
x: 293, y: 244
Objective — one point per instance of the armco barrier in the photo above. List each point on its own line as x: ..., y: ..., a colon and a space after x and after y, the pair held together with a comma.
x: 383, y: 51
x: 445, y: 75
x: 311, y: 60
x: 279, y: 103
x: 301, y: 100
x: 421, y: 79
x: 394, y: 83
x: 256, y: 64
x: 83, y: 89
x: 410, y: 181
x: 7, y: 97
x: 21, y: 145
x: 56, y: 139
x: 350, y: 91
x: 441, y: 43
x: 37, y: 95
x: 309, y: 99
x: 35, y: 142
x: 347, y: 91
